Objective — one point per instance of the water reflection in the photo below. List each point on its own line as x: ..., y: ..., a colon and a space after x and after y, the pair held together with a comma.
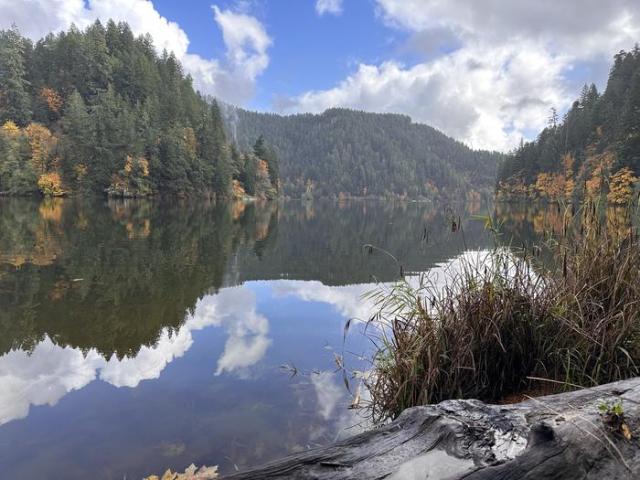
x: 48, y: 371
x: 527, y: 224
x: 42, y: 376
x: 174, y: 318
x: 346, y: 299
x: 247, y: 330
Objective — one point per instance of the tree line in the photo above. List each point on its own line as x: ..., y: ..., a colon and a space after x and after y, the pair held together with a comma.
x: 593, y: 152
x: 99, y: 110
x: 350, y: 153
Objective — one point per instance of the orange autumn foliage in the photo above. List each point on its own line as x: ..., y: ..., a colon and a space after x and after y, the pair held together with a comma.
x: 42, y: 143
x: 263, y: 168
x: 600, y: 166
x: 140, y: 164
x: 52, y: 99
x: 621, y: 186
x: 237, y: 189
x: 568, y: 161
x: 50, y: 184
x: 81, y: 171
x: 550, y: 185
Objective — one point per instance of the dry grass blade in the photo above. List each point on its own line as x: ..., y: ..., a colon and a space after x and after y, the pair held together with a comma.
x: 495, y: 327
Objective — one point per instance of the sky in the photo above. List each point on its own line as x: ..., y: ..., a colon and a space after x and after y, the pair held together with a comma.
x: 485, y: 72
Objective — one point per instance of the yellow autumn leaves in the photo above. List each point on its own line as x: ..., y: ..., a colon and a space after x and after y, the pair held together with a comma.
x: 191, y: 473
x: 41, y: 143
x: 50, y: 184
x: 597, y: 174
x: 621, y: 186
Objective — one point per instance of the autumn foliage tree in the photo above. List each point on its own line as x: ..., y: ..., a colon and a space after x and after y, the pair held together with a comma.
x: 50, y: 184
x: 17, y: 175
x: 599, y: 134
x: 621, y: 186
x: 42, y: 144
x: 98, y: 110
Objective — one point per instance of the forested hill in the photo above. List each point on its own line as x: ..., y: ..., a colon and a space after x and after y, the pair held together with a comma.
x: 594, y: 152
x: 358, y: 154
x: 99, y: 110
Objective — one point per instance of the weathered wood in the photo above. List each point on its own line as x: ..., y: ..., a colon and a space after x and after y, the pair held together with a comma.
x: 559, y: 436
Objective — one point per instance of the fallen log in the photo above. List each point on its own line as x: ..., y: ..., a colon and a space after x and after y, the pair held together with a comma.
x: 573, y: 435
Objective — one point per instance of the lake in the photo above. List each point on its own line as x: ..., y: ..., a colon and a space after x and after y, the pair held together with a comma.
x: 137, y: 336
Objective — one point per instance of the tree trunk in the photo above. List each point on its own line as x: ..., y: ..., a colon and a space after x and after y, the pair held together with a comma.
x: 562, y: 436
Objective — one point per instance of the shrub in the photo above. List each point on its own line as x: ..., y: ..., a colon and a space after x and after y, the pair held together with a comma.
x: 50, y: 184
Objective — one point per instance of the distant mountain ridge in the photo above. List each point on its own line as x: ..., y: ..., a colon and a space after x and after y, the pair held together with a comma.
x: 344, y: 152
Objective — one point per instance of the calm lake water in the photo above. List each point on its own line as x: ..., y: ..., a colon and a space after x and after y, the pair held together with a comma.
x: 144, y: 335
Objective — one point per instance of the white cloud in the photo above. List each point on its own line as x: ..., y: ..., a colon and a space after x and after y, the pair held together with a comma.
x: 581, y: 27
x: 510, y: 63
x: 233, y: 80
x: 486, y: 100
x: 328, y: 392
x: 247, y: 43
x: 333, y: 7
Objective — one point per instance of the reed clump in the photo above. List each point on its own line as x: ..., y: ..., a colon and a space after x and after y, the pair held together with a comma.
x: 505, y: 322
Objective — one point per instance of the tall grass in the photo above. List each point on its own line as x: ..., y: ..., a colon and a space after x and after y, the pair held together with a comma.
x: 499, y: 324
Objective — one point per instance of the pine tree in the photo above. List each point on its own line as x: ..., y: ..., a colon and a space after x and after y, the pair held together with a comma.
x: 98, y: 67
x: 224, y: 172
x: 15, y: 102
x: 274, y: 166
x: 267, y: 154
x: 111, y: 115
x: 250, y: 173
x: 78, y: 141
x: 630, y: 126
x: 259, y: 148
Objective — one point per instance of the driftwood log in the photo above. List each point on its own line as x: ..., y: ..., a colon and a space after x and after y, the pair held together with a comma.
x: 562, y: 436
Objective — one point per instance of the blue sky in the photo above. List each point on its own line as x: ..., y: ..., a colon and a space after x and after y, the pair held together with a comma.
x: 486, y: 72
x: 309, y: 51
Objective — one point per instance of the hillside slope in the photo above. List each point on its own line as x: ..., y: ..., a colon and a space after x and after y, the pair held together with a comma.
x: 595, y: 150
x: 365, y: 154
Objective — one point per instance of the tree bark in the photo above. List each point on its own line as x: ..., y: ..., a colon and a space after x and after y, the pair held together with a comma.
x: 562, y: 436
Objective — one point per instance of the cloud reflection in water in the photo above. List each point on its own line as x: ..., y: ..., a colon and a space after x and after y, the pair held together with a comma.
x: 50, y: 371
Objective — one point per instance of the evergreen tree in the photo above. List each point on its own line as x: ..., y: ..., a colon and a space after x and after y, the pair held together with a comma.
x: 250, y: 174
x: 274, y: 166
x: 598, y: 138
x: 78, y: 141
x: 356, y: 153
x: 98, y: 68
x: 15, y: 103
x: 223, y: 172
x: 125, y: 120
x: 259, y: 148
